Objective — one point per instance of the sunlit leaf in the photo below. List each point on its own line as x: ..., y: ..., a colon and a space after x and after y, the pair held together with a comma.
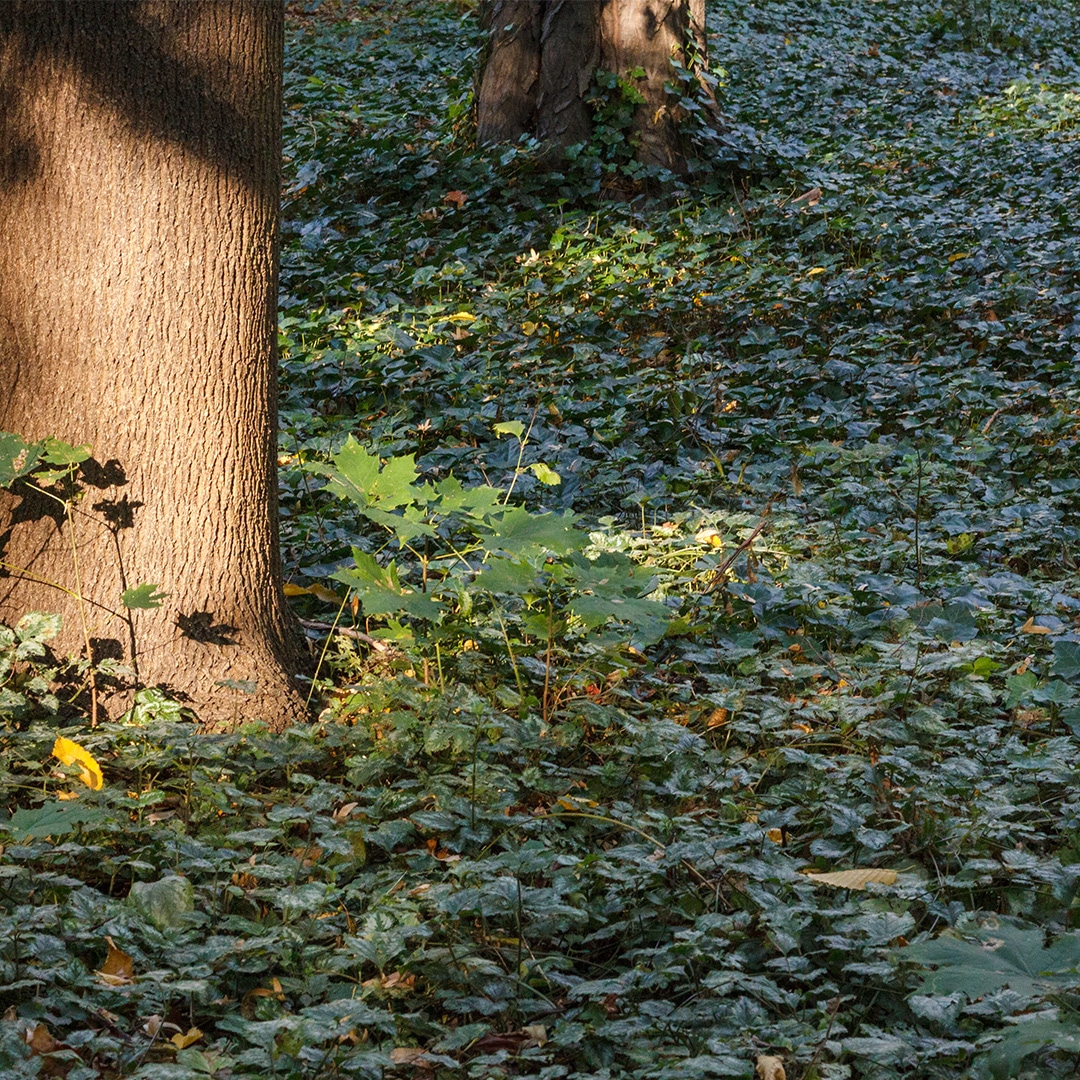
x: 71, y: 753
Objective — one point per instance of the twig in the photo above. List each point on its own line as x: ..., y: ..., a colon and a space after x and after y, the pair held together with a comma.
x: 346, y: 631
x: 719, y: 575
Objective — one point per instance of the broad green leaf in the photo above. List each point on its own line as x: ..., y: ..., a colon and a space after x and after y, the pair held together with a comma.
x: 1066, y: 659
x: 545, y: 474
x: 143, y: 597
x: 58, y: 452
x: 510, y: 427
x: 53, y: 819
x: 17, y: 458
x: 1005, y: 954
x: 164, y: 902
x: 523, y: 534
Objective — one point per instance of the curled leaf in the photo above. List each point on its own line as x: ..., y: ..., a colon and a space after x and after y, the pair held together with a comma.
x: 71, y: 753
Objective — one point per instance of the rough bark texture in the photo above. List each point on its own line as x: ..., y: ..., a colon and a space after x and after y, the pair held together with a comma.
x: 139, y: 188
x: 542, y: 57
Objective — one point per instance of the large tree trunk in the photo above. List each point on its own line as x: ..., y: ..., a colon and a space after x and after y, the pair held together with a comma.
x: 542, y: 57
x: 139, y: 190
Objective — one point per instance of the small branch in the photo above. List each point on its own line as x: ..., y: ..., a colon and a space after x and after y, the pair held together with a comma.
x: 346, y: 631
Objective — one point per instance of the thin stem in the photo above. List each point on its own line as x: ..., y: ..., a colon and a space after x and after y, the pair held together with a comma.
x: 326, y: 645
x: 82, y: 616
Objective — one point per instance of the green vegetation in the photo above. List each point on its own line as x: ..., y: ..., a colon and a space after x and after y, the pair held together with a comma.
x: 683, y: 536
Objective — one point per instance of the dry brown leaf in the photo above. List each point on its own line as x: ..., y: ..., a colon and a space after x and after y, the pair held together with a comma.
x: 455, y: 198
x: 769, y: 1067
x: 1030, y: 628
x: 717, y: 718
x: 854, y: 879
x: 406, y: 1055
x: 118, y: 969
x: 344, y: 811
x: 41, y: 1041
x: 811, y: 197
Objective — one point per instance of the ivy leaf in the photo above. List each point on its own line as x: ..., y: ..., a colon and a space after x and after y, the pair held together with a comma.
x: 165, y: 902
x: 1066, y: 659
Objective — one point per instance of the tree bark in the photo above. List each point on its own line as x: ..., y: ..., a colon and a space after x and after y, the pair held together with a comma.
x: 542, y: 58
x: 139, y: 191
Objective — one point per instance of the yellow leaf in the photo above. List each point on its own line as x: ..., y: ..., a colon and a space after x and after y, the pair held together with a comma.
x: 182, y: 1042
x: 815, y: 271
x: 769, y: 1067
x: 960, y: 255
x: 118, y: 969
x: 1030, y: 628
x: 529, y: 327
x: 71, y: 753
x: 461, y: 316
x: 854, y: 879
x: 294, y: 590
x: 67, y: 796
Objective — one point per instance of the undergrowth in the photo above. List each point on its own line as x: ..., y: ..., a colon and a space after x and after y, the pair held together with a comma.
x: 733, y: 524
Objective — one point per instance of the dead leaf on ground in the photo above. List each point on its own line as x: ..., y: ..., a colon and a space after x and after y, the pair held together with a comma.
x: 854, y: 879
x: 118, y: 969
x: 769, y: 1067
x: 407, y: 1055
x: 183, y: 1041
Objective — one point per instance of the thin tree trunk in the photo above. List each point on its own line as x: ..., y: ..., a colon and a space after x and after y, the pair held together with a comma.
x: 543, y: 56
x: 139, y: 188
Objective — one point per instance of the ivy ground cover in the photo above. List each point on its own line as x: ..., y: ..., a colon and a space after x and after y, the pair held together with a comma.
x: 706, y: 551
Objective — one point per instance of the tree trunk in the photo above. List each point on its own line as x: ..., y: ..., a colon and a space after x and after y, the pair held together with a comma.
x: 139, y: 191
x: 542, y: 58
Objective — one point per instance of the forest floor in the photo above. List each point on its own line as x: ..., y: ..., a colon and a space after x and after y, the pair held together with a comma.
x: 706, y: 549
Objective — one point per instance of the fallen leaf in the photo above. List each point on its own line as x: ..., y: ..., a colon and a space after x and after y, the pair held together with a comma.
x: 854, y: 879
x: 717, y: 718
x: 41, y: 1041
x: 769, y: 1067
x: 118, y: 969
x: 406, y: 1055
x: 1030, y: 628
x: 71, y: 753
x: 182, y: 1042
x: 811, y: 197
x: 455, y: 198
